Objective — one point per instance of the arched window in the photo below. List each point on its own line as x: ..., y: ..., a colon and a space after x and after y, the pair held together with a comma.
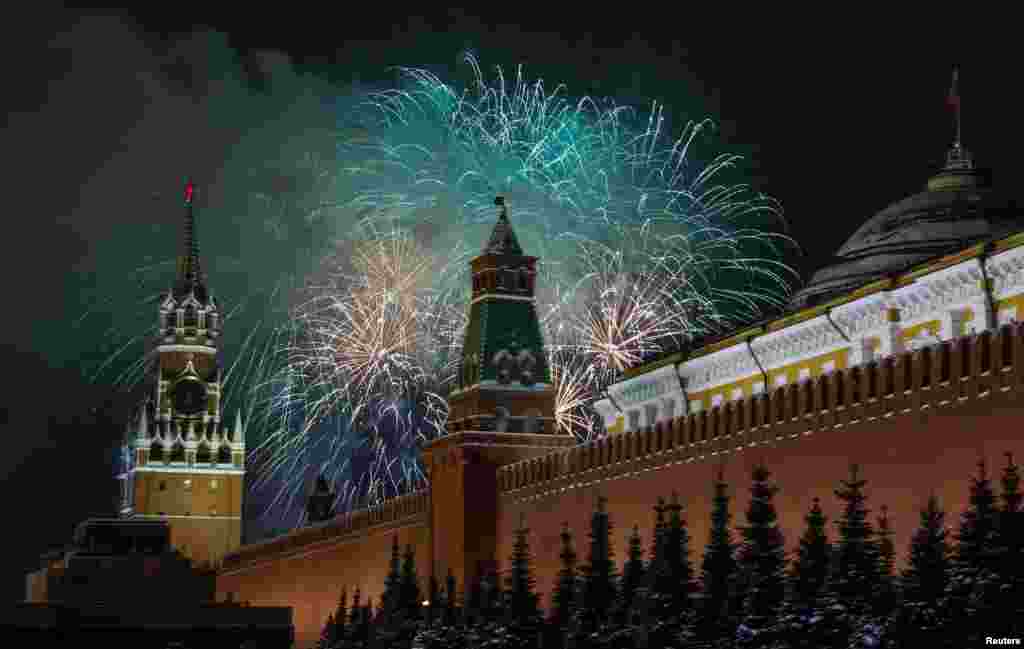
x: 178, y: 453
x: 526, y: 365
x: 156, y: 452
x: 224, y: 455
x: 505, y: 365
x: 203, y: 454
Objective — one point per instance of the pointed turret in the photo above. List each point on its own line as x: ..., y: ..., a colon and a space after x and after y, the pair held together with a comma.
x: 320, y: 505
x: 143, y: 425
x: 503, y: 238
x: 190, y: 279
x: 238, y: 435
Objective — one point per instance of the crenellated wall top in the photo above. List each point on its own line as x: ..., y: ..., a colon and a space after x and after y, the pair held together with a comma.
x: 970, y: 367
x: 397, y: 510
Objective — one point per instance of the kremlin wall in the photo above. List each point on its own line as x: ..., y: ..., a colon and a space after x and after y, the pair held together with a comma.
x: 910, y: 363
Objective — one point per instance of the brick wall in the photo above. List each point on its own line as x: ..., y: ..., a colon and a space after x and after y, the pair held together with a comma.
x: 917, y: 423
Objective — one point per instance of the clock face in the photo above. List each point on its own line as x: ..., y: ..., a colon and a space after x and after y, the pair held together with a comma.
x: 189, y: 397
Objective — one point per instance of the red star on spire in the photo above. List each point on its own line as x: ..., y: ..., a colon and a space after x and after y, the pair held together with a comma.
x: 189, y: 191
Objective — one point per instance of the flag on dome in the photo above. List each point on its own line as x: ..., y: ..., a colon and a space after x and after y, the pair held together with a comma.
x: 954, y: 91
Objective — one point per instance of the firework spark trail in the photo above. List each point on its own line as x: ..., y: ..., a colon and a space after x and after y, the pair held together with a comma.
x: 642, y: 244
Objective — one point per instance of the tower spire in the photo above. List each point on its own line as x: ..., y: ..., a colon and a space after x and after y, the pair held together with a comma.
x: 503, y: 239
x: 959, y: 171
x: 190, y: 274
x: 958, y: 158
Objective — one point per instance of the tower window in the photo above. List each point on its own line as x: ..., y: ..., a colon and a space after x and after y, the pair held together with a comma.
x: 224, y: 455
x: 505, y: 363
x: 178, y: 454
x: 203, y: 455
x: 163, y: 486
x: 188, y: 483
x: 213, y: 485
x: 526, y: 364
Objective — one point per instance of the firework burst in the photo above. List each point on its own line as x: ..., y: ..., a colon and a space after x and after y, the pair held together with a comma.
x: 641, y: 244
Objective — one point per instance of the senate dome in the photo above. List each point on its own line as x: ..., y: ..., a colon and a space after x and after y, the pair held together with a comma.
x: 958, y: 209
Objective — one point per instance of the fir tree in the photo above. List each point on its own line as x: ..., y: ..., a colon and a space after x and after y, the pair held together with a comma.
x: 493, y: 596
x: 389, y: 600
x: 451, y: 600
x: 435, y: 604
x: 475, y: 601
x: 718, y: 570
x: 357, y: 609
x: 1011, y: 496
x: 633, y: 576
x: 564, y: 597
x: 359, y: 624
x: 657, y: 553
x: 811, y: 568
x: 885, y: 599
x: 761, y: 557
x: 973, y: 577
x: 328, y: 635
x: 1009, y: 552
x: 409, y: 595
x: 340, y: 619
x: 599, y: 575
x: 523, y: 605
x: 368, y: 621
x: 676, y: 565
x: 804, y: 620
x: 926, y: 577
x: 856, y: 571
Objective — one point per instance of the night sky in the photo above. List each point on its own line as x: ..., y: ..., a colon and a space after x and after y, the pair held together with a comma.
x: 107, y: 114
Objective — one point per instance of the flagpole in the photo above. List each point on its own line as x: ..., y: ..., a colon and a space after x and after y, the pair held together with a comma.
x: 956, y: 93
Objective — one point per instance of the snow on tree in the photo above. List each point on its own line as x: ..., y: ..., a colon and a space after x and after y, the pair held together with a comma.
x: 926, y: 577
x: 523, y: 603
x: 856, y: 574
x: 633, y: 576
x: 718, y: 569
x: 599, y: 574
x: 973, y: 580
x: 761, y: 557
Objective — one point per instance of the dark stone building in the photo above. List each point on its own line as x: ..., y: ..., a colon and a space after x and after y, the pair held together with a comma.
x: 120, y: 583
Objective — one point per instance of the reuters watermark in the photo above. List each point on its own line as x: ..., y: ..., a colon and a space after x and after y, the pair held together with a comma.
x: 1002, y: 642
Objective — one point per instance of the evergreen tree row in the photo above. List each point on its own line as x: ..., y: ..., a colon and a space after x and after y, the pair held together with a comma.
x: 836, y: 591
